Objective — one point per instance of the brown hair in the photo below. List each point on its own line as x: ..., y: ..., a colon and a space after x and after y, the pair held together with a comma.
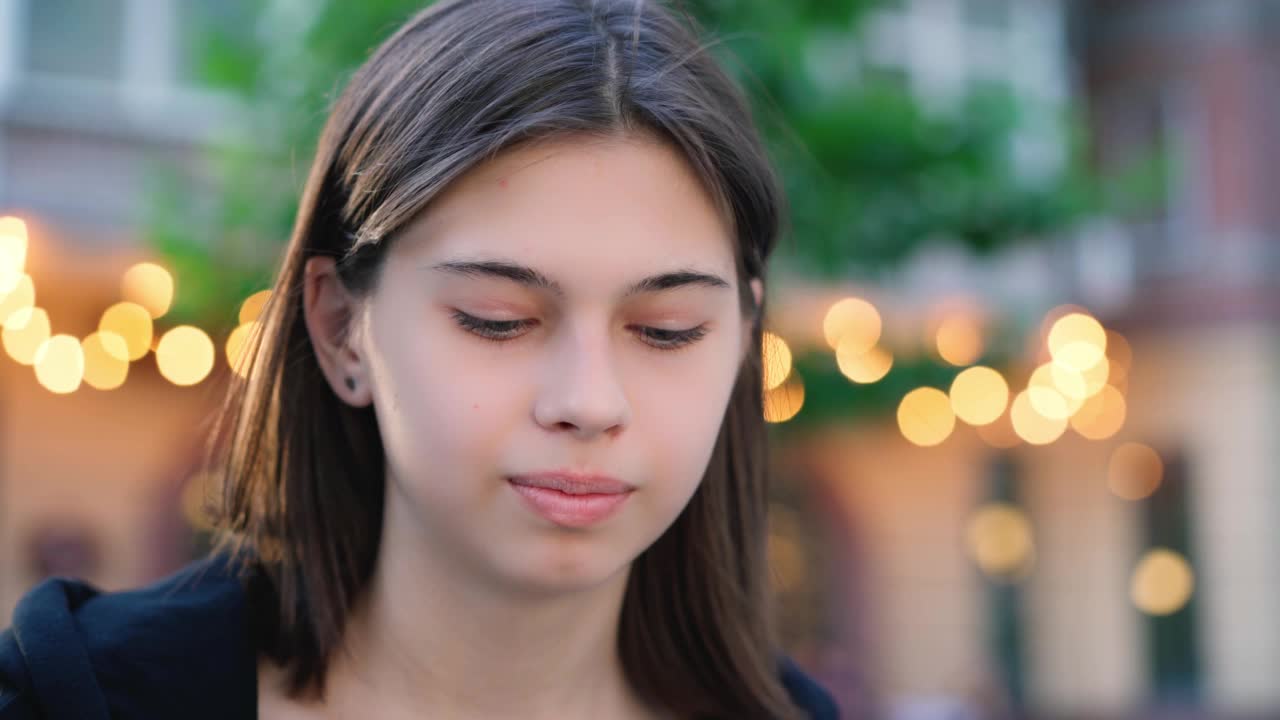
x: 303, y: 473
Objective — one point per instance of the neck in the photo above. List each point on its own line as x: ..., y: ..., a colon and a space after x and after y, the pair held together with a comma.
x: 427, y: 639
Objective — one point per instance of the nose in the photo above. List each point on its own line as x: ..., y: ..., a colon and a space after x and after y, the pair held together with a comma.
x: 582, y: 392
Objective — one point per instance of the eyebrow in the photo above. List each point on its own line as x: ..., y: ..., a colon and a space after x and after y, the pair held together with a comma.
x: 530, y: 277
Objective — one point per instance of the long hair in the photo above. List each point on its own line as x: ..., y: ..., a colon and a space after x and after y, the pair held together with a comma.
x: 303, y: 473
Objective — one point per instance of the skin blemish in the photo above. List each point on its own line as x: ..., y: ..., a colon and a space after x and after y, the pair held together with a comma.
x: 502, y: 182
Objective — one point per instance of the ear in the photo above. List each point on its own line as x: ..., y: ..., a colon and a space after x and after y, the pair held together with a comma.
x: 330, y: 313
x: 748, y: 322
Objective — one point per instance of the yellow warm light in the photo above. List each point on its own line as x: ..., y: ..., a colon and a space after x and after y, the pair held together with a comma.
x: 59, y: 364
x: 1162, y: 583
x: 925, y: 416
x: 1095, y: 378
x: 1078, y: 341
x: 1069, y: 382
x: 863, y: 366
x: 1120, y: 355
x: 238, y: 343
x: 150, y: 286
x: 1000, y: 540
x: 22, y: 296
x: 1046, y: 398
x: 776, y: 356
x: 24, y: 332
x: 251, y: 308
x: 1101, y: 416
x: 132, y: 322
x: 1000, y: 434
x: 783, y: 402
x: 106, y: 360
x: 1053, y: 316
x: 185, y: 355
x: 13, y: 252
x: 1030, y: 425
x: 1135, y: 471
x: 853, y: 322
x: 979, y: 395
x: 959, y: 340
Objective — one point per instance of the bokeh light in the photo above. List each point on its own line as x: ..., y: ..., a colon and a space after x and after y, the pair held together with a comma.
x: 185, y: 355
x: 1120, y: 357
x: 1000, y: 540
x: 776, y: 357
x: 1162, y: 583
x: 22, y: 296
x: 925, y: 416
x: 13, y: 252
x: 1069, y: 382
x: 1078, y: 341
x: 106, y: 360
x: 853, y: 322
x: 239, y: 341
x: 1045, y: 396
x: 1134, y: 471
x: 150, y: 286
x: 1101, y: 416
x: 24, y: 332
x: 251, y: 309
x: 59, y: 364
x: 783, y: 402
x: 1030, y: 425
x: 1095, y: 378
x: 132, y: 322
x: 959, y: 339
x: 863, y: 366
x: 979, y: 395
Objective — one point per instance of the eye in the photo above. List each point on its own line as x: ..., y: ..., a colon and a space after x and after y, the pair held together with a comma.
x: 671, y: 339
x: 496, y: 330
x: 506, y: 330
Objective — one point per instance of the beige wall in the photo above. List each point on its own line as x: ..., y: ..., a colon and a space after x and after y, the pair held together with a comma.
x: 1216, y: 390
x: 908, y: 508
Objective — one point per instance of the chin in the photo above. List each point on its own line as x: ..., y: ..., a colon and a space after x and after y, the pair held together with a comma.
x: 568, y: 568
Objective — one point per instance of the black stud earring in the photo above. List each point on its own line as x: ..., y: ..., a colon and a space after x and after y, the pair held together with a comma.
x: 351, y: 383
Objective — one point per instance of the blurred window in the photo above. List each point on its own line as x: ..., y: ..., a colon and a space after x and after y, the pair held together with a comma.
x: 78, y: 38
x: 1173, y: 648
x: 1007, y: 637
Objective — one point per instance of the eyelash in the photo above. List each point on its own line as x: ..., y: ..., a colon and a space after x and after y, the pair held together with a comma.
x: 500, y: 331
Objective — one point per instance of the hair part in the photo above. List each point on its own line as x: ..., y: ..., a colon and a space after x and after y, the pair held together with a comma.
x: 304, y: 473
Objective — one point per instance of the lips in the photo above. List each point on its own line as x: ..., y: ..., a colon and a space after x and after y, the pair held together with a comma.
x: 571, y: 500
x: 571, y: 483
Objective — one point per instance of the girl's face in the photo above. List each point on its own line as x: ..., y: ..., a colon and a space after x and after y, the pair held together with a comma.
x: 569, y: 306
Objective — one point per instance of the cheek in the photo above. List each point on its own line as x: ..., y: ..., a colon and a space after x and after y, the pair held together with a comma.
x: 438, y: 404
x: 680, y: 414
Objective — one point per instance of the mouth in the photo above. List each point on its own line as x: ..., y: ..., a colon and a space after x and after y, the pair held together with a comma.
x: 569, y: 499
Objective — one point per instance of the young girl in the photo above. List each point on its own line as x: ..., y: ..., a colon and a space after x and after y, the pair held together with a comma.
x: 501, y: 450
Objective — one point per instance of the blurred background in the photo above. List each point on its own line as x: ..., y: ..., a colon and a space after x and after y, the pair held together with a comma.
x: 1023, y: 359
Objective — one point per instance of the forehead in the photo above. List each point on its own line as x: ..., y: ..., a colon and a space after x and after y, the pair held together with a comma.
x: 612, y: 207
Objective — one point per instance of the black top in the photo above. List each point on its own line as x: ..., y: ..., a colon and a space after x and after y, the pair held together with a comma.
x: 179, y: 648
